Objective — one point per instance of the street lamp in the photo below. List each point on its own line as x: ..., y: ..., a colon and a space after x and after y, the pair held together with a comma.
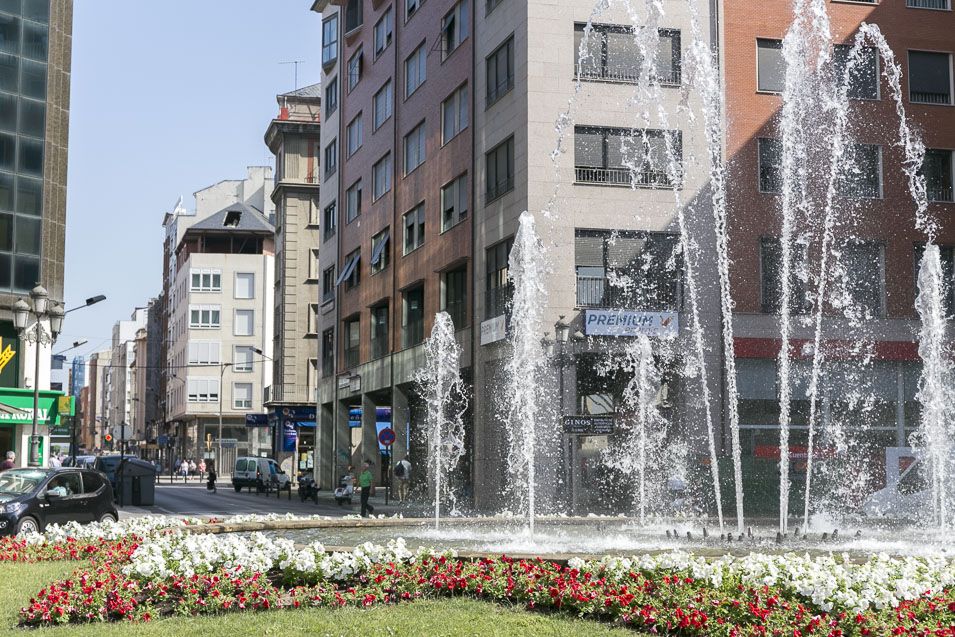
x: 42, y: 309
x: 557, y: 350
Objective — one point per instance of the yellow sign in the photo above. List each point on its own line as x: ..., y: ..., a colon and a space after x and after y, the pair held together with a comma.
x: 6, y: 355
x: 63, y: 404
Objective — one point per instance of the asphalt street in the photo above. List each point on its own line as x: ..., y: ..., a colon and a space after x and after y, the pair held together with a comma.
x: 193, y: 499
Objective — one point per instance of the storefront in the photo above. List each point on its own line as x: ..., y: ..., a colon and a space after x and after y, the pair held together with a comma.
x: 54, y: 412
x: 293, y: 431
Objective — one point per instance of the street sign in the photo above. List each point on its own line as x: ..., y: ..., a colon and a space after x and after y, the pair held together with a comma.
x: 386, y: 437
x: 256, y: 420
x: 228, y: 443
x: 589, y: 425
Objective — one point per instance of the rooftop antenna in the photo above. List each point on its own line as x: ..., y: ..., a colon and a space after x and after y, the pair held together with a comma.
x: 294, y: 64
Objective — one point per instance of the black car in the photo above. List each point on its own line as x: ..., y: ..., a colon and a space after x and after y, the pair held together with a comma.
x: 30, y: 499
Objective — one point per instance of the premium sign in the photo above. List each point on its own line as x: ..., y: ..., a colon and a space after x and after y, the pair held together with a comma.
x: 589, y: 425
x: 493, y: 330
x: 630, y: 323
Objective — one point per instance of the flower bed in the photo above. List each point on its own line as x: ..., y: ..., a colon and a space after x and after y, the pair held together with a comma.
x: 160, y: 571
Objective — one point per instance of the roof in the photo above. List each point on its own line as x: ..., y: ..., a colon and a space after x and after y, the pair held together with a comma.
x: 237, y: 217
x: 311, y: 91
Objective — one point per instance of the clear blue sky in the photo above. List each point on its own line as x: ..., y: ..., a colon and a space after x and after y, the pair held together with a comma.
x: 167, y: 98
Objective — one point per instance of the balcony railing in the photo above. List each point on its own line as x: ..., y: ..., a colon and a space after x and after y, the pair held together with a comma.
x: 671, y: 77
x: 930, y: 98
x: 941, y: 194
x: 860, y: 190
x: 622, y: 177
x: 351, y: 357
x: 928, y: 4
x: 598, y: 292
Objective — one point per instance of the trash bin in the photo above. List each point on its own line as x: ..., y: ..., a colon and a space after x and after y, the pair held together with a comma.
x: 136, y: 482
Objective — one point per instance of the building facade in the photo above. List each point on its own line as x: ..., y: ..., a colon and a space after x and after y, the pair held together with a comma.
x: 294, y: 137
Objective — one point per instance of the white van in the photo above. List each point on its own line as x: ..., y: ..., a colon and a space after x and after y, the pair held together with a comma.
x: 260, y: 473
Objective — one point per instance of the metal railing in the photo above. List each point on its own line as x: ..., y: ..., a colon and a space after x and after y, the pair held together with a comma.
x: 673, y: 77
x: 940, y: 194
x: 596, y: 291
x: 351, y: 357
x: 622, y: 177
x: 859, y: 190
x: 930, y: 98
x: 928, y: 4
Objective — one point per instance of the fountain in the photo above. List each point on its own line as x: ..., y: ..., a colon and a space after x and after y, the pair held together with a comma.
x: 443, y: 390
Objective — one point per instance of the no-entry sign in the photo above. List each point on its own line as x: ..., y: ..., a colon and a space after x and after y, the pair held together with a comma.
x: 386, y: 437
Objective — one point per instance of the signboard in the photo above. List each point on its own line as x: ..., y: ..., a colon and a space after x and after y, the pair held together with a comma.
x: 229, y: 443
x: 299, y: 414
x: 631, y: 323
x: 386, y: 437
x: 354, y: 416
x: 256, y: 420
x: 9, y: 356
x: 493, y: 330
x: 589, y: 425
x: 16, y: 407
x: 343, y: 382
x: 64, y: 427
x: 289, y: 436
x: 354, y: 384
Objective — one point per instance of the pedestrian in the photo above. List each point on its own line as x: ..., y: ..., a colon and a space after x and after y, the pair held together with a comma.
x: 192, y: 467
x: 184, y: 469
x: 10, y: 462
x: 211, y: 482
x: 202, y: 468
x: 366, y: 480
x: 55, y: 461
x: 403, y: 475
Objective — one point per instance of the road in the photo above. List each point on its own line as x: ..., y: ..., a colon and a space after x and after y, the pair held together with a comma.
x: 194, y: 499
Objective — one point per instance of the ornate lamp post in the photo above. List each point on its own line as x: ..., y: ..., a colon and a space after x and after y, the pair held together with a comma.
x: 42, y: 309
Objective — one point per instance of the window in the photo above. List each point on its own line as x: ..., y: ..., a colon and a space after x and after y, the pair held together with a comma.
x: 328, y: 352
x: 770, y: 165
x: 930, y: 77
x: 379, y: 251
x: 204, y: 352
x: 861, y: 174
x: 454, y: 114
x: 624, y: 269
x: 491, y: 5
x: 941, y: 5
x: 330, y: 40
x: 314, y: 212
x: 205, y: 280
x: 353, y: 15
x: 202, y: 390
x: 331, y: 96
x: 770, y: 66
x: 454, y: 28
x: 937, y: 169
x: 383, y: 101
x: 413, y: 222
x: 414, y: 148
x: 330, y: 217
x: 863, y: 265
x: 312, y: 327
x: 454, y: 296
x: 611, y: 54
x: 245, y: 285
x: 381, y: 177
x: 771, y: 268
x: 411, y: 6
x: 500, y: 71
x: 352, y: 331
x: 350, y: 274
x: 412, y: 317
x: 499, y: 289
x: 242, y: 395
x: 499, y: 169
x: 415, y: 70
x: 204, y: 316
x: 353, y: 136
x: 311, y: 379
x: 313, y: 264
x: 355, y: 69
x: 353, y: 202
x: 454, y: 202
x: 244, y: 323
x: 379, y: 331
x: 625, y: 157
x: 242, y: 358
x: 328, y: 284
x: 383, y: 32
x: 331, y: 158
x: 863, y: 83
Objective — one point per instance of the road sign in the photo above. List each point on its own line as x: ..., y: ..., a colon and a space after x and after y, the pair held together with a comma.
x: 228, y: 443
x: 589, y: 425
x: 386, y: 437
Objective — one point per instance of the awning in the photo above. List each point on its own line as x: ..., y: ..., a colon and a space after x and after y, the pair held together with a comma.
x: 380, y: 248
x: 347, y: 269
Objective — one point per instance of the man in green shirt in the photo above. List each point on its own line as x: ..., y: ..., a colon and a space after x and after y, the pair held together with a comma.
x: 366, y: 480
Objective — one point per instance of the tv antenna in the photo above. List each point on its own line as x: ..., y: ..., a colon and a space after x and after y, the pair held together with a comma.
x: 294, y: 64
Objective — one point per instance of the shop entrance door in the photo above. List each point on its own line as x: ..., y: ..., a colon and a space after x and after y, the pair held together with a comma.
x: 7, y: 440
x: 587, y: 474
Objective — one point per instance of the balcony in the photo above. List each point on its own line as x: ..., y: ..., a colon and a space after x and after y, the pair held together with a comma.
x: 598, y: 292
x: 622, y: 177
x: 671, y: 77
x: 942, y: 5
x: 940, y: 194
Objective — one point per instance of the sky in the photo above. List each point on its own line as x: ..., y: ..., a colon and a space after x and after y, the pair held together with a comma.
x: 167, y: 98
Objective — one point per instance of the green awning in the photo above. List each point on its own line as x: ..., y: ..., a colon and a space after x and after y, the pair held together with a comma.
x: 16, y: 407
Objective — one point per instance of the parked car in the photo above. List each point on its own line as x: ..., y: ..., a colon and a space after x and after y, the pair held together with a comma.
x: 261, y: 473
x: 30, y: 499
x: 83, y: 462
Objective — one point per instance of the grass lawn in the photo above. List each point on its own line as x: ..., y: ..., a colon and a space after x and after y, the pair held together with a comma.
x: 19, y: 582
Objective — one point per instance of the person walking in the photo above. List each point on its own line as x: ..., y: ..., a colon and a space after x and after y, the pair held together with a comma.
x: 10, y: 462
x: 403, y: 475
x: 211, y: 482
x: 366, y: 480
x: 55, y: 461
x: 192, y: 468
x: 184, y: 470
x: 202, y: 468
